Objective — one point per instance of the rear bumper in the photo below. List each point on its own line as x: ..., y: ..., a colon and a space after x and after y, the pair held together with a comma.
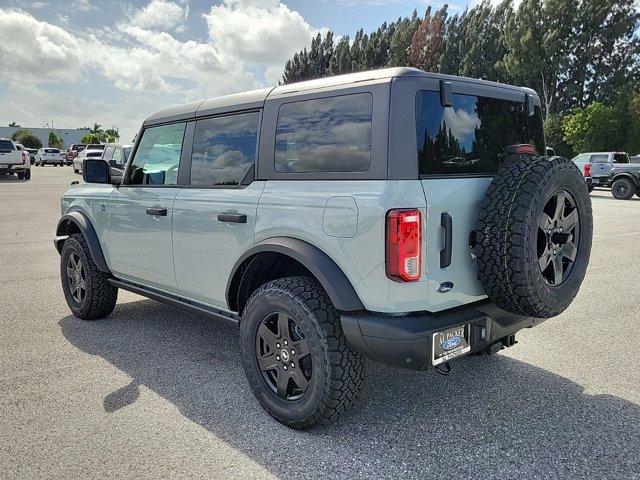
x: 405, y: 341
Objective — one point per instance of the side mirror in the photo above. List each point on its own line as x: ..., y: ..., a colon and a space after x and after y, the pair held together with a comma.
x: 95, y: 171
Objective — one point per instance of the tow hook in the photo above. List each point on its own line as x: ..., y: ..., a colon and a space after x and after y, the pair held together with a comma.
x: 443, y: 368
x: 509, y: 340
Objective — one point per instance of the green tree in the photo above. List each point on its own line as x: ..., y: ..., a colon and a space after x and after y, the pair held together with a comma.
x: 554, y: 136
x: 341, y: 59
x: 111, y: 135
x: 91, y: 138
x: 594, y: 128
x: 27, y: 138
x: 14, y: 124
x: 400, y: 42
x: 55, y: 141
x: 632, y: 122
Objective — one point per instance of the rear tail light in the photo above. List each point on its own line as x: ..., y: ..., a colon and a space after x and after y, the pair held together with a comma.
x: 587, y: 169
x: 404, y: 245
x: 24, y: 158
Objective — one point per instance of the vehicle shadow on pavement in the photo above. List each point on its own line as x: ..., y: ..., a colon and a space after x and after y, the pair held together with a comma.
x: 493, y: 417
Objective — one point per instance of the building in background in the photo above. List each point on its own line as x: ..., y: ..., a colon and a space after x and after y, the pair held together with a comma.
x: 69, y: 135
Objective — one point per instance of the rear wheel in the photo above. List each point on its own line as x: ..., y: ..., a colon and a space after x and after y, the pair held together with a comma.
x: 295, y: 355
x: 623, y: 189
x: 27, y: 174
x: 87, y: 290
x: 20, y: 175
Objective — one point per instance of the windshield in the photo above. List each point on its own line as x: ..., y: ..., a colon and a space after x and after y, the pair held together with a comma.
x: 470, y: 137
x: 95, y: 147
x: 94, y: 154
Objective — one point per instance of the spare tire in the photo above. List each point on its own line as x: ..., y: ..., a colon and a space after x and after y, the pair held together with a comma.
x: 533, y: 238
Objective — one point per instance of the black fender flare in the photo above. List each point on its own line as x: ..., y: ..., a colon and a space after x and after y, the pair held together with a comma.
x: 86, y: 228
x: 633, y: 178
x: 324, y: 269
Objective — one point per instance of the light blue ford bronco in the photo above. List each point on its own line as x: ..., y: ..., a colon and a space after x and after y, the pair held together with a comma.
x: 399, y: 215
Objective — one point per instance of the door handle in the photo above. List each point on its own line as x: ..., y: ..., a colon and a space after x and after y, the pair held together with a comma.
x: 445, y: 254
x: 157, y: 212
x: 232, y: 217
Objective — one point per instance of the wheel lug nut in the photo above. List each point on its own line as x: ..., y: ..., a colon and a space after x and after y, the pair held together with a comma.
x: 277, y: 357
x: 293, y: 365
x: 285, y: 367
x: 277, y: 345
x: 555, y: 252
x: 293, y: 352
x: 286, y: 343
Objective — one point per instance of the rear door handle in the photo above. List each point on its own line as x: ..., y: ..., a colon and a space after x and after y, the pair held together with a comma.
x: 445, y: 254
x: 232, y: 217
x: 157, y: 212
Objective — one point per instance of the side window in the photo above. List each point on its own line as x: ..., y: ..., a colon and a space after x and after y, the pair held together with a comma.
x: 470, y: 136
x: 118, y: 157
x: 599, y: 158
x: 158, y: 156
x: 620, y: 158
x: 108, y: 153
x: 325, y: 135
x: 224, y: 149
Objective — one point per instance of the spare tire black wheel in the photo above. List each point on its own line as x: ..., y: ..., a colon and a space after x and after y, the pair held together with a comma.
x: 623, y: 189
x: 534, y: 234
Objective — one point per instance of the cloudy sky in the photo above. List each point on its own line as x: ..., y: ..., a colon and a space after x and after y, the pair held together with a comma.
x: 77, y: 62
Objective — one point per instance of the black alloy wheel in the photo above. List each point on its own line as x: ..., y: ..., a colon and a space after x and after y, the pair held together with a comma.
x: 558, y: 237
x: 76, y: 278
x: 283, y: 356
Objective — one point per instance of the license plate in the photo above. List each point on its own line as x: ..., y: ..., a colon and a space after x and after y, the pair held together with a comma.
x: 450, y: 343
x: 4, y: 166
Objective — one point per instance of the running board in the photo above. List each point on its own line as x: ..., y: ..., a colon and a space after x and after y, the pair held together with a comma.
x: 178, y: 302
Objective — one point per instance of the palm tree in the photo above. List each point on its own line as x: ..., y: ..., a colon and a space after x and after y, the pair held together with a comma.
x: 96, y: 130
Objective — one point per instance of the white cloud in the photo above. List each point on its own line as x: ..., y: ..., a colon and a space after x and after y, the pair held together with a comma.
x: 161, y: 14
x: 37, y: 51
x: 258, y: 31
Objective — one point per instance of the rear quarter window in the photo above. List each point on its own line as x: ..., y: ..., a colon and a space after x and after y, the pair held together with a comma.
x: 331, y: 134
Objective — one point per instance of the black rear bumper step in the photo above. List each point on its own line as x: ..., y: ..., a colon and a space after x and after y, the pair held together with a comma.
x: 405, y: 341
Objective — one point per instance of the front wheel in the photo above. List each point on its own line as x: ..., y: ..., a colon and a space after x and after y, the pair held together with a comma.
x: 295, y: 355
x: 623, y: 189
x: 86, y: 289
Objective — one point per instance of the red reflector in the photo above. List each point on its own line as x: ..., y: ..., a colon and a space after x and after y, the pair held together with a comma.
x: 404, y: 245
x: 525, y: 148
x: 587, y: 169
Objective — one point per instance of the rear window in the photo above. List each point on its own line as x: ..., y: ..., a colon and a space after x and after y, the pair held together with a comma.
x: 6, y: 146
x: 470, y: 137
x: 95, y: 147
x: 51, y: 150
x: 94, y: 154
x: 325, y: 135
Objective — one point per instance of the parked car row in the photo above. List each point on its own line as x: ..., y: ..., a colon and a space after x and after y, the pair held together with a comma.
x: 115, y: 154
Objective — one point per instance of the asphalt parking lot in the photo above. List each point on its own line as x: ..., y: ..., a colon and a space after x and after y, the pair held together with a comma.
x: 153, y: 392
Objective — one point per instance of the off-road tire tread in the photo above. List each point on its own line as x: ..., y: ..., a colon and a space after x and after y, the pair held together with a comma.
x: 345, y: 367
x: 506, y: 213
x: 102, y: 294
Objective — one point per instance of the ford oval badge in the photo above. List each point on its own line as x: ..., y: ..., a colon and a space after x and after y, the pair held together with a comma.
x: 451, y: 343
x: 445, y: 287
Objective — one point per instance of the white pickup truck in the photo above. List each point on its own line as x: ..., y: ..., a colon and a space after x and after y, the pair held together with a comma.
x: 13, y: 160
